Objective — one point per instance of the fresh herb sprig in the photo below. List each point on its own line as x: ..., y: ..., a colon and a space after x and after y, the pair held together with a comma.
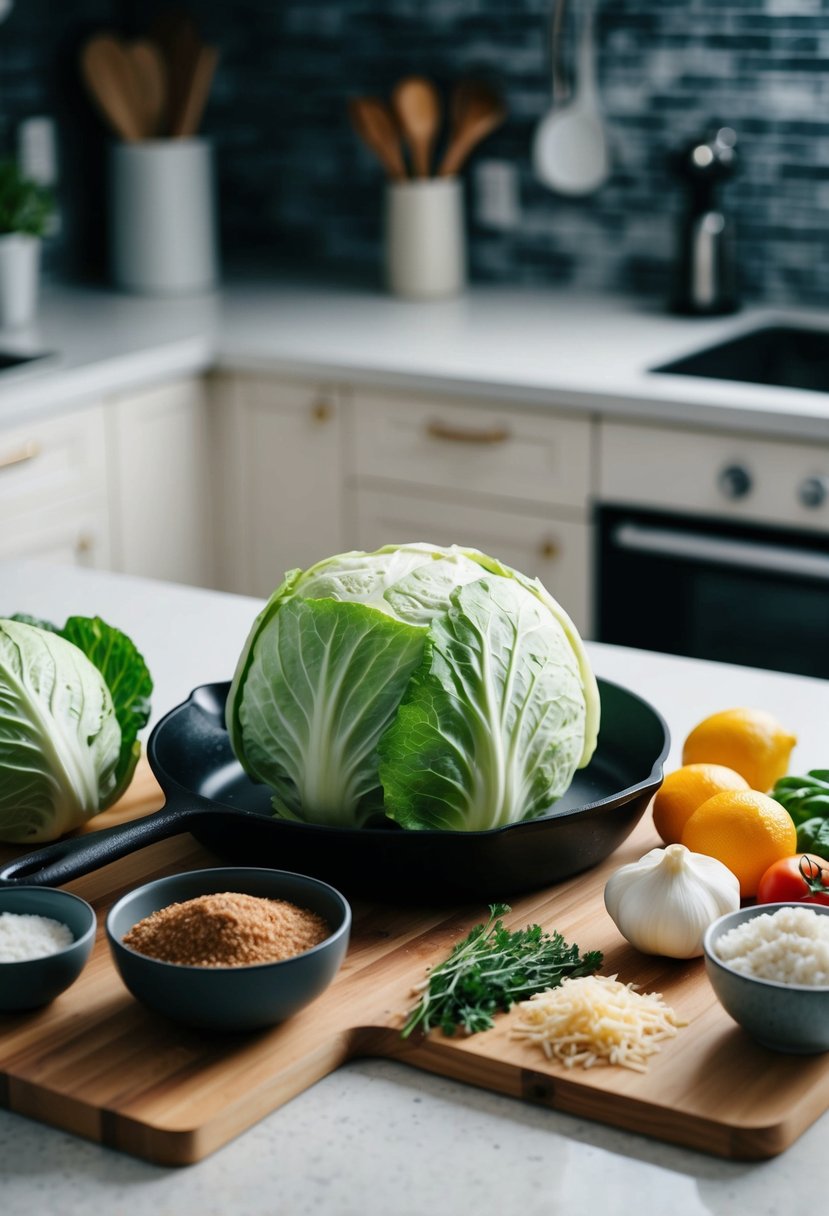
x: 490, y: 970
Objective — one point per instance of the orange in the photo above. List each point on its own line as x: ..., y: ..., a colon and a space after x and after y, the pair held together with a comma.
x: 746, y: 830
x: 684, y: 790
x: 751, y: 741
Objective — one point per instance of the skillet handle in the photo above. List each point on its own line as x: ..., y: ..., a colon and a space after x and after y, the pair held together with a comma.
x: 64, y: 860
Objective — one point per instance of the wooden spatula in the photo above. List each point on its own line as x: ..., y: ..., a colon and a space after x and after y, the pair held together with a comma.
x: 476, y: 112
x: 374, y: 123
x: 185, y: 124
x: 107, y: 73
x: 149, y: 74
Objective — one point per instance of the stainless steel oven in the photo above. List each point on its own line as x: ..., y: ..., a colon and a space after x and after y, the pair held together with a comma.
x: 714, y: 544
x: 713, y: 588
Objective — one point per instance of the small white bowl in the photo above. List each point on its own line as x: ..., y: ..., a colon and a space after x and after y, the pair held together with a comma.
x: 791, y: 1018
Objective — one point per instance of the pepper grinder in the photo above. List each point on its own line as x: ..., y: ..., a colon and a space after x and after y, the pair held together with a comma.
x: 705, y: 281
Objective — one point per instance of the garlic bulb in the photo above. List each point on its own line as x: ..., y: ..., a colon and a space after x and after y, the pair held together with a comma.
x: 664, y: 902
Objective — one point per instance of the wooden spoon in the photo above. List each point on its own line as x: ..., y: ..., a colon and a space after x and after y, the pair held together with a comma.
x: 374, y: 123
x: 107, y: 72
x: 476, y: 112
x: 149, y: 75
x: 416, y: 104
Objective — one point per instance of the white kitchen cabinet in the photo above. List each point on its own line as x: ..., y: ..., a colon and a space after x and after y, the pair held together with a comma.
x: 514, y: 483
x: 53, y: 490
x: 278, y: 471
x: 158, y: 465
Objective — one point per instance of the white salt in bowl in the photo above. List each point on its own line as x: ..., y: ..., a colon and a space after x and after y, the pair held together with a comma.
x: 31, y: 983
x: 230, y: 998
x: 791, y: 1018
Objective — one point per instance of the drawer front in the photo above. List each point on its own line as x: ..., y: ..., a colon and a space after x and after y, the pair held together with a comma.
x: 671, y: 468
x: 539, y: 545
x: 58, y: 460
x: 73, y: 535
x: 498, y: 451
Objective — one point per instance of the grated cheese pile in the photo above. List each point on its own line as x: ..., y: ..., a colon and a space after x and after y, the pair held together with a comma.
x: 597, y: 1020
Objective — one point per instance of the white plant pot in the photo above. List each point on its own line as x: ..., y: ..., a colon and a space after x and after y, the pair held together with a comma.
x: 425, y: 238
x: 19, y: 277
x: 163, y: 217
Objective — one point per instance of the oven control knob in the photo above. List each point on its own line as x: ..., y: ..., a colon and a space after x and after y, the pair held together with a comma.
x: 813, y: 491
x: 735, y: 481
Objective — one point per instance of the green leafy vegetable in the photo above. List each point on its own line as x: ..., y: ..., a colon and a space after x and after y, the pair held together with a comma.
x: 435, y: 685
x: 804, y: 797
x: 118, y: 659
x: 492, y: 969
x: 813, y: 836
x: 71, y: 704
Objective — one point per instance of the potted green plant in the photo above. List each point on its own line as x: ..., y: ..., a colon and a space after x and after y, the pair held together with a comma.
x: 25, y: 208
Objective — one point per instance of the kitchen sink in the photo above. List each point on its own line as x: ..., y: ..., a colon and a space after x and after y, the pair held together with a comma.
x: 774, y: 354
x: 9, y: 359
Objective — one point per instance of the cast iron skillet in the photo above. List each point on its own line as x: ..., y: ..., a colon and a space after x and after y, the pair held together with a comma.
x: 209, y: 795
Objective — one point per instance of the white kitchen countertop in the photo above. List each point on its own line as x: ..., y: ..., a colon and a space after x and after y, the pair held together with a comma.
x: 534, y: 347
x: 377, y: 1138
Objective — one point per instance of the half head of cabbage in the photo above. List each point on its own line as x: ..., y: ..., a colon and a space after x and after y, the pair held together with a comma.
x: 435, y: 686
x: 72, y: 702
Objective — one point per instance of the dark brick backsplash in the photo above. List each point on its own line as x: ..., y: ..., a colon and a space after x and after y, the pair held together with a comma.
x: 297, y: 187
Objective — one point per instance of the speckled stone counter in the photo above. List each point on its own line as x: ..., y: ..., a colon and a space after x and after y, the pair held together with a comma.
x: 377, y: 1138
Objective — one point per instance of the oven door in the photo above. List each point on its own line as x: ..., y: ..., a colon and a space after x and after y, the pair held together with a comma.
x: 710, y: 590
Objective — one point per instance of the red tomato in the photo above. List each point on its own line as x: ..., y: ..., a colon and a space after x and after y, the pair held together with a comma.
x: 802, y: 879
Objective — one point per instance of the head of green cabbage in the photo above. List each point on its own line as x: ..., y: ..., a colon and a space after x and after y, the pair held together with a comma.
x: 435, y: 686
x: 72, y: 702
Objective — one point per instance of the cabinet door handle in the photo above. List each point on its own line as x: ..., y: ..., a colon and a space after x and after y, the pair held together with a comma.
x: 322, y: 410
x: 27, y: 451
x: 460, y: 434
x: 550, y: 549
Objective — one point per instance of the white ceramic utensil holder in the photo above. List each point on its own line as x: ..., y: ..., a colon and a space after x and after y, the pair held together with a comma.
x: 163, y: 217
x: 425, y: 238
x: 19, y: 276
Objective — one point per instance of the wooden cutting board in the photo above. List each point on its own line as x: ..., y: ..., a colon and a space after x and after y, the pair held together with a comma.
x: 97, y: 1063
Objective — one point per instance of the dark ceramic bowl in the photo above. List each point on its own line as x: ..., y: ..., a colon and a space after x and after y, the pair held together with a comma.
x: 792, y: 1018
x: 230, y: 998
x: 28, y: 985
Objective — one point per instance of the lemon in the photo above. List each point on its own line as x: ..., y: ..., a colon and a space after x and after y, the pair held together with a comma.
x: 750, y: 741
x: 746, y: 830
x: 686, y: 789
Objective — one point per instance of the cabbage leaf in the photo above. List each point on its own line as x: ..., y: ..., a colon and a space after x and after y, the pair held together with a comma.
x: 491, y: 727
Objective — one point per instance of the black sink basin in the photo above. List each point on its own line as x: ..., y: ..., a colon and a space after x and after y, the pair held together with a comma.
x: 775, y: 354
x: 9, y: 359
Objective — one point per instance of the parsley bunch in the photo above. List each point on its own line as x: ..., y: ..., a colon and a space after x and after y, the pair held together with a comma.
x: 490, y: 970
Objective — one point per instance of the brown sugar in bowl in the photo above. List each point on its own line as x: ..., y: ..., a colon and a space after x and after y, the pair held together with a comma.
x: 221, y: 996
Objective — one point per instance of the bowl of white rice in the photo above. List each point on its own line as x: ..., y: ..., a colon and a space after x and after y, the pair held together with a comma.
x: 46, y: 938
x: 769, y: 966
